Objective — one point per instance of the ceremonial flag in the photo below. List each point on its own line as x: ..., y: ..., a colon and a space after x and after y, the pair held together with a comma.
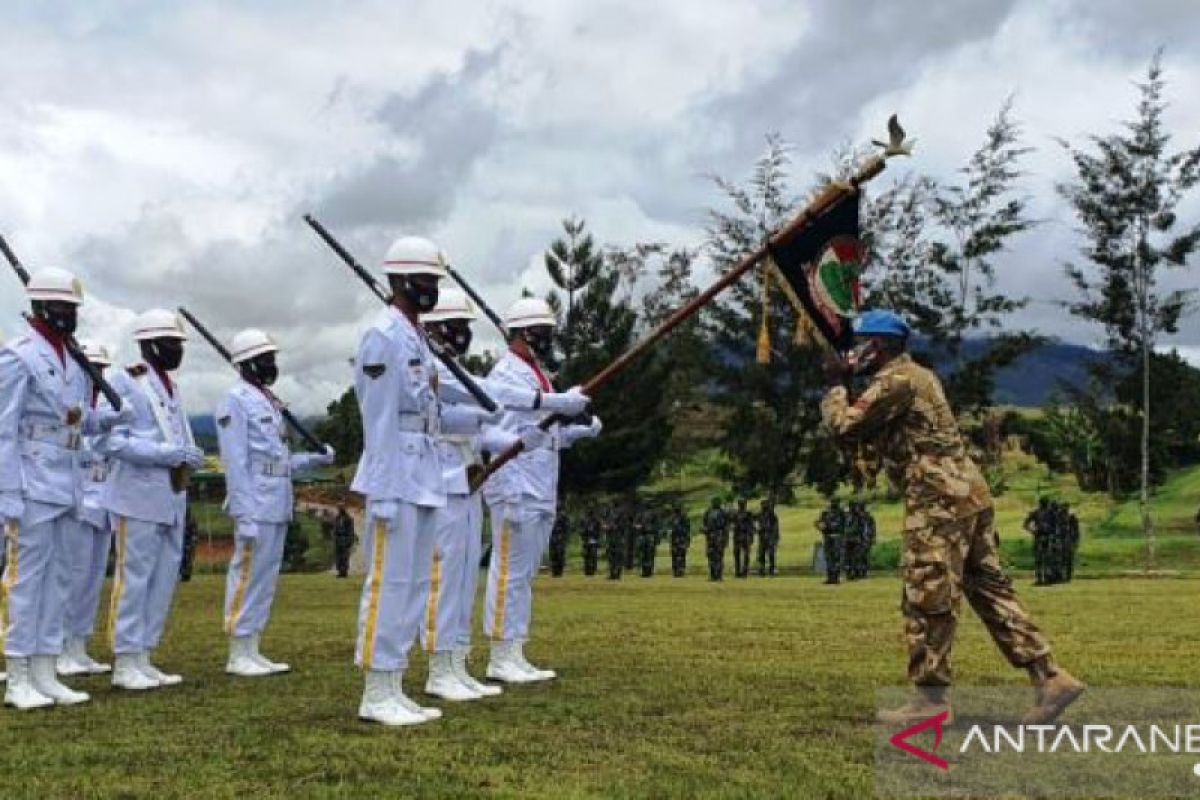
x: 818, y: 269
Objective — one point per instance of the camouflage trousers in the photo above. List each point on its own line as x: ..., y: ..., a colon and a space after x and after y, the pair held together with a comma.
x: 943, y: 560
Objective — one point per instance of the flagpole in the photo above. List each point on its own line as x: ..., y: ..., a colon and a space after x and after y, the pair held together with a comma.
x: 830, y: 196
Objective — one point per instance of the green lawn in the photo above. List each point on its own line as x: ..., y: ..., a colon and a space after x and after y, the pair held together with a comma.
x: 668, y: 688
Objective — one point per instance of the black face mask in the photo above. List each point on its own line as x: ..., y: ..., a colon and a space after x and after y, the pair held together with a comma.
x: 421, y: 291
x: 261, y: 370
x: 457, y: 334
x: 540, y: 339
x: 166, y: 354
x: 62, y: 318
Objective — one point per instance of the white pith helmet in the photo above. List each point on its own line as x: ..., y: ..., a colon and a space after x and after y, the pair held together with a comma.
x: 529, y: 312
x: 96, y: 353
x: 54, y: 284
x: 453, y: 303
x: 415, y: 255
x: 158, y: 323
x: 250, y: 343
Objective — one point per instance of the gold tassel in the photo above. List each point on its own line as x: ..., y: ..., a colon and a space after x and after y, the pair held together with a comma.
x: 803, y: 335
x: 763, y: 356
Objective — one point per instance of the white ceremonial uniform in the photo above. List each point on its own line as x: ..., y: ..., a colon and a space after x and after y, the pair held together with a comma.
x: 400, y: 474
x: 258, y: 484
x: 44, y: 412
x: 523, y: 497
x: 459, y: 547
x: 90, y: 545
x: 147, y: 514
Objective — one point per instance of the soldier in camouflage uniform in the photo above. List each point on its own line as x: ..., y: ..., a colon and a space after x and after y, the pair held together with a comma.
x: 630, y: 517
x: 1039, y: 525
x: 716, y: 536
x: 832, y: 525
x: 949, y: 544
x: 681, y: 539
x: 1070, y: 544
x: 590, y: 542
x: 559, y: 533
x: 743, y: 539
x: 647, y: 543
x: 768, y: 537
x: 614, y: 544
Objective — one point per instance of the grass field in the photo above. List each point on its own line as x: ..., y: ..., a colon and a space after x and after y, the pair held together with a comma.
x: 668, y: 688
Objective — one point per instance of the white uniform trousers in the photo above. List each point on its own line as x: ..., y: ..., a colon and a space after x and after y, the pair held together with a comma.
x: 37, y: 579
x: 89, y: 560
x: 144, y: 580
x: 518, y: 539
x: 253, y: 575
x: 454, y: 574
x: 399, y: 554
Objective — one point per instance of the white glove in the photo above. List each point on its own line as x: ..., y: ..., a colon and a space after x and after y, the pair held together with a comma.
x: 326, y: 457
x: 193, y: 457
x: 570, y: 403
x: 384, y: 509
x: 534, y: 438
x: 173, y: 455
x: 109, y: 419
x: 594, y: 429
x: 245, y: 529
x: 12, y: 507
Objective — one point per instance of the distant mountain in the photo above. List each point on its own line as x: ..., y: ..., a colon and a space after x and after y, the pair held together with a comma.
x: 1031, y: 380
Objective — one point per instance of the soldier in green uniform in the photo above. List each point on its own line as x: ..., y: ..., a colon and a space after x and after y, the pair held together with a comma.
x: 681, y: 540
x: 743, y: 539
x: 614, y: 543
x: 590, y: 533
x: 949, y: 547
x: 647, y: 532
x: 768, y: 537
x: 343, y: 541
x: 190, y: 537
x: 559, y: 534
x: 1071, y: 545
x: 716, y: 536
x: 1038, y: 524
x: 630, y: 516
x: 832, y: 526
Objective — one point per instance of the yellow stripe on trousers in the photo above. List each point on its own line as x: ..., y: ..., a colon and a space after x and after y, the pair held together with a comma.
x: 10, y: 575
x: 376, y: 585
x: 431, y: 608
x: 114, y: 601
x: 502, y: 581
x: 239, y: 593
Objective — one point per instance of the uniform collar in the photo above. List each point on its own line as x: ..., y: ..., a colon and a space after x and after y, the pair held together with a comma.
x: 532, y: 363
x: 51, y: 337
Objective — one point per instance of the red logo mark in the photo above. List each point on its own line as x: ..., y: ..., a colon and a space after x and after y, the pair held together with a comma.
x: 901, y: 740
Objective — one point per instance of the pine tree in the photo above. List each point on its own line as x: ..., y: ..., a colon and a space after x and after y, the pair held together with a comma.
x: 572, y: 262
x: 342, y: 428
x: 1125, y: 193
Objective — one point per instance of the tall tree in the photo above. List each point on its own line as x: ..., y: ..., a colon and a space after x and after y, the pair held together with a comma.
x: 1125, y: 192
x: 572, y: 262
x: 342, y: 428
x: 773, y: 413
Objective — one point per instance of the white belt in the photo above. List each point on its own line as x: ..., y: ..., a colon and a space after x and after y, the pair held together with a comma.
x: 271, y: 468
x: 64, y: 436
x: 419, y: 423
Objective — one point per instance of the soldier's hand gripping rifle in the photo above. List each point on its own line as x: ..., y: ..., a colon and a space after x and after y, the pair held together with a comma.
x: 297, y: 426
x: 830, y: 197
x: 72, y: 347
x: 437, y: 348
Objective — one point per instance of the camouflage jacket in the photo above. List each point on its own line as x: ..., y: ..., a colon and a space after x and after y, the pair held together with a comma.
x: 904, y: 415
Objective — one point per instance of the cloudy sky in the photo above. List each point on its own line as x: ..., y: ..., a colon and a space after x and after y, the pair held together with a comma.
x: 166, y: 151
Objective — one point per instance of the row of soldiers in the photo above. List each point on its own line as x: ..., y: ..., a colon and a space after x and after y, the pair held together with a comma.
x: 1055, y: 532
x: 744, y: 525
x: 629, y: 536
x: 847, y: 537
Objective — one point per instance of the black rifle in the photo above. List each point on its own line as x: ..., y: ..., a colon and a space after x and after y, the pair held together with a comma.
x: 312, y: 441
x: 72, y: 346
x: 437, y: 348
x: 483, y: 306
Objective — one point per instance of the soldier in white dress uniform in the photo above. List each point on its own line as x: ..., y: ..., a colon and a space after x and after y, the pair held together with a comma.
x: 523, y: 495
x: 465, y: 434
x: 258, y: 483
x: 45, y: 411
x: 150, y: 459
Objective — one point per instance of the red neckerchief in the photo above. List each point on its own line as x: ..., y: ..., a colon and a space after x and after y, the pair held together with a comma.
x: 51, y: 336
x: 543, y: 381
x: 165, y: 378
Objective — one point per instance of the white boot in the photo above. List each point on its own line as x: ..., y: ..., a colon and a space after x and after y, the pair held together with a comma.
x: 443, y: 682
x: 68, y: 661
x: 241, y: 660
x: 126, y: 674
x: 46, y: 682
x: 522, y: 662
x: 274, y: 666
x: 428, y: 712
x: 94, y: 667
x: 502, y: 667
x: 458, y: 663
x: 379, y: 705
x: 21, y: 693
x: 154, y: 673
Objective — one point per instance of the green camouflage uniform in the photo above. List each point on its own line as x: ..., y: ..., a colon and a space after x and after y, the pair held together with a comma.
x: 832, y: 525
x: 591, y: 543
x: 614, y: 545
x: 949, y: 543
x: 768, y: 538
x: 743, y: 540
x: 716, y: 535
x: 681, y: 538
x: 558, y: 545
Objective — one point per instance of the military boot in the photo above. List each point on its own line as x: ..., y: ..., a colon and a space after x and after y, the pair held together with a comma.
x: 1054, y: 690
x: 928, y: 702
